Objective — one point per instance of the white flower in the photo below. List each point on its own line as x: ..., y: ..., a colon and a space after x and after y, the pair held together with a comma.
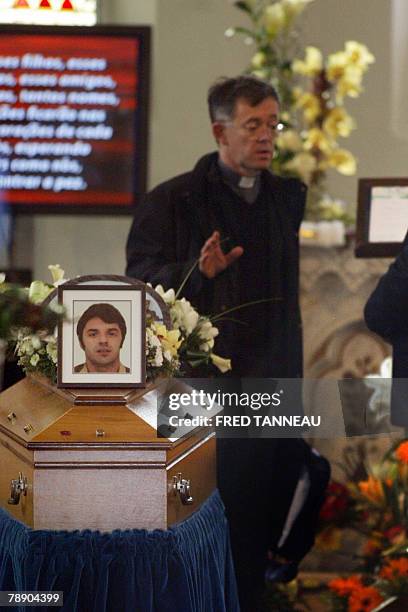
x: 51, y: 349
x: 184, y: 316
x: 25, y: 346
x: 2, y: 277
x: 168, y: 296
x: 34, y: 359
x: 38, y: 291
x: 206, y: 332
x: 36, y: 342
x: 57, y: 274
x: 274, y: 18
x: 158, y: 357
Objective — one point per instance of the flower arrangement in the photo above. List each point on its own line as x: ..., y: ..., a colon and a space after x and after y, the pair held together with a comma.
x: 168, y: 351
x: 313, y: 90
x: 376, y: 507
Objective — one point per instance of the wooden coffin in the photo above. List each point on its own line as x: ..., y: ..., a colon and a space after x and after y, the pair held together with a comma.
x: 86, y: 463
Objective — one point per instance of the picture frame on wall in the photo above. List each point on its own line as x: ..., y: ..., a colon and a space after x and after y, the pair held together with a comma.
x: 382, y: 216
x: 101, y: 343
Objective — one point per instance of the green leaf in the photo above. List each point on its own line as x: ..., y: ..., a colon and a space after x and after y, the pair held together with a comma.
x: 243, y: 6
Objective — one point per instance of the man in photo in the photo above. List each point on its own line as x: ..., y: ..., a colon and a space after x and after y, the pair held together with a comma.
x: 101, y: 331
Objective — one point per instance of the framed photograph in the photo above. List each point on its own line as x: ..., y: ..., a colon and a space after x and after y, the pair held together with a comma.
x: 102, y: 341
x: 382, y: 216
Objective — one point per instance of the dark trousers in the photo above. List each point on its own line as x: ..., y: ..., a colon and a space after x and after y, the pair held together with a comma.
x: 257, y: 479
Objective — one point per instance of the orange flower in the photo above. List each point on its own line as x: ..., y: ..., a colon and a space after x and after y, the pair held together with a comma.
x: 395, y: 569
x: 402, y: 452
x: 343, y: 587
x: 364, y: 600
x: 372, y: 489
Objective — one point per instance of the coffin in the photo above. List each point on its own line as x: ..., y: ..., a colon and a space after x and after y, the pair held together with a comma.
x: 94, y: 461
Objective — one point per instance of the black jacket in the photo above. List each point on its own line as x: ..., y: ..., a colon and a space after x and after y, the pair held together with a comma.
x: 386, y: 313
x: 176, y: 218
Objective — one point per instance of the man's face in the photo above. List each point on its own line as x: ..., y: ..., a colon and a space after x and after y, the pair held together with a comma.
x: 101, y: 343
x: 247, y: 140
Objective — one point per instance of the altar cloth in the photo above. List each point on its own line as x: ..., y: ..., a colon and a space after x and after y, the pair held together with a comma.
x: 187, y: 568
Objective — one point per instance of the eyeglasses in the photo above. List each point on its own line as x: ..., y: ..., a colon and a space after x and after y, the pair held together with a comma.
x: 256, y: 129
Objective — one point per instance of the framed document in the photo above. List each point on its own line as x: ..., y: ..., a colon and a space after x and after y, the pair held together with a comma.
x: 102, y: 341
x: 382, y: 216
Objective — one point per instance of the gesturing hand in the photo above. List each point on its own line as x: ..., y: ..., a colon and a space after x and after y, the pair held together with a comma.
x: 212, y: 259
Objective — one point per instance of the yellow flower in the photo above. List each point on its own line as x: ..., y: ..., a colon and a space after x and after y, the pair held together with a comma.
x: 292, y: 8
x: 317, y: 139
x: 338, y: 123
x: 303, y: 164
x: 350, y: 83
x: 274, y: 18
x: 310, y: 105
x: 289, y: 140
x: 336, y: 65
x: 170, y: 339
x: 258, y: 60
x: 222, y: 364
x: 359, y: 55
x: 311, y: 65
x: 343, y: 161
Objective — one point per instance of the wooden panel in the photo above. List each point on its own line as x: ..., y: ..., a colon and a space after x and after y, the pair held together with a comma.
x: 14, y: 459
x: 198, y: 466
x: 32, y: 405
x: 118, y: 422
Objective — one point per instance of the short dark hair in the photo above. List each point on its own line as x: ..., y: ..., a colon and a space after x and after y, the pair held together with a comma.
x: 224, y: 93
x: 106, y: 312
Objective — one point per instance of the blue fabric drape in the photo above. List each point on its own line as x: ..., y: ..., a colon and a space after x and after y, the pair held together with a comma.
x: 187, y: 568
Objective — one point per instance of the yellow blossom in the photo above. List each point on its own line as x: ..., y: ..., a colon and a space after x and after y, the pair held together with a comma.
x: 310, y: 105
x: 258, y: 60
x: 222, y: 364
x: 303, y: 164
x: 336, y: 65
x: 292, y: 8
x: 274, y: 18
x: 289, y: 140
x: 311, y: 65
x: 338, y: 123
x: 343, y: 161
x: 359, y: 55
x: 350, y: 83
x: 317, y: 139
x: 170, y: 339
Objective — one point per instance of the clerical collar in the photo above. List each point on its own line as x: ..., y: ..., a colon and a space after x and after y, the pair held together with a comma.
x: 237, y: 180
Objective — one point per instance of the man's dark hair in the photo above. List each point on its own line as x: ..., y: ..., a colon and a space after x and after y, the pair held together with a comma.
x: 106, y: 312
x: 224, y: 93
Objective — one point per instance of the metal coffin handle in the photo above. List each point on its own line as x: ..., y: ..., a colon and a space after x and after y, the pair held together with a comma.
x: 182, y: 487
x: 18, y: 487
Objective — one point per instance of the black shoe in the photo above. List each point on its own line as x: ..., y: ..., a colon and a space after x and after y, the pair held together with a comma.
x: 278, y: 571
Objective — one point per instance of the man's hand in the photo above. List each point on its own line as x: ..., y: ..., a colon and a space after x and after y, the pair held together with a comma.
x: 213, y: 260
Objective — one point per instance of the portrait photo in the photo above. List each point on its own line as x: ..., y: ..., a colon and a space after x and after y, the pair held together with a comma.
x: 101, y: 342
